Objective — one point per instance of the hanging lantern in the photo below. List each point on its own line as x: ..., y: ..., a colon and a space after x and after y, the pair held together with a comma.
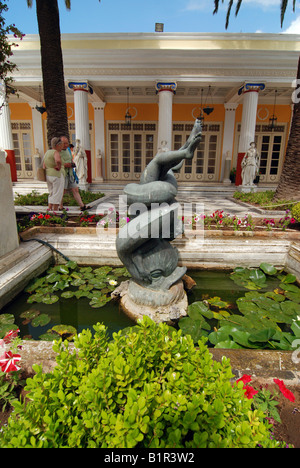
x: 208, y: 109
x: 273, y: 119
x: 128, y: 115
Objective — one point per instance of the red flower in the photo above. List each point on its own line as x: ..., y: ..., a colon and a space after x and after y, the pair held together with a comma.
x: 249, y: 392
x: 40, y: 216
x: 285, y: 391
x: 11, y: 335
x: 245, y: 379
x: 8, y: 362
x: 47, y: 216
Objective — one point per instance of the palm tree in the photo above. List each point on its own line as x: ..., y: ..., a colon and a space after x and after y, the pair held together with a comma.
x: 289, y: 183
x: 52, y: 66
x: 283, y: 5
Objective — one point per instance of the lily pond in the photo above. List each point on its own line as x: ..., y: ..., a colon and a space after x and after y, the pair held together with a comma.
x: 256, y: 308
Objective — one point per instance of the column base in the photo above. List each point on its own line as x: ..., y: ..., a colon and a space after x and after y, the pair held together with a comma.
x: 12, y: 162
x: 89, y: 164
x: 238, y: 177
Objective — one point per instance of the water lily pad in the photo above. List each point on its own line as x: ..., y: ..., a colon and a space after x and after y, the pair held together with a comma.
x: 62, y: 269
x: 71, y: 264
x: 217, y: 302
x: 7, y: 327
x: 30, y: 314
x: 52, y: 278
x: 48, y: 337
x: 40, y: 320
x: 67, y: 332
x: 228, y: 345
x: 6, y: 319
x: 199, y: 309
x: 262, y: 336
x: 194, y: 328
x: 98, y: 302
x: 67, y: 294
x: 296, y: 328
x: 50, y: 299
x: 268, y: 269
x: 289, y: 278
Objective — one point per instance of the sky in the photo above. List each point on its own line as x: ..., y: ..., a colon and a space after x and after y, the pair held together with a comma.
x: 90, y: 16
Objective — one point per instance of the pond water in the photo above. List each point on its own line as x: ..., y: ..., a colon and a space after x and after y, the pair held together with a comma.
x: 79, y: 314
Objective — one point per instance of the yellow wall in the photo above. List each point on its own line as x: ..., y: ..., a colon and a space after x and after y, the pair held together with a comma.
x: 20, y: 111
x: 139, y: 112
x: 189, y: 112
x: 264, y: 112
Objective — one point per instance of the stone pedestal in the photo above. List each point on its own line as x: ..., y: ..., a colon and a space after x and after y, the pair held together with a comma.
x: 8, y: 225
x: 227, y: 167
x: 247, y: 188
x: 160, y: 306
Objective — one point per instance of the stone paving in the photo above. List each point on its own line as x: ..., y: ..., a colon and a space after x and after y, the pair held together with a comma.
x: 203, y: 201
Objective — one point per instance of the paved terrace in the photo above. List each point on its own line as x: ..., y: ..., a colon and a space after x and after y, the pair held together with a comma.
x: 206, y: 197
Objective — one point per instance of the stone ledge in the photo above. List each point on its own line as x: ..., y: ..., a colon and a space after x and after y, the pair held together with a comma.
x: 258, y: 363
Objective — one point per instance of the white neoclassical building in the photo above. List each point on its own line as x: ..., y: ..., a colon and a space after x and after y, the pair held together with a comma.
x: 164, y: 81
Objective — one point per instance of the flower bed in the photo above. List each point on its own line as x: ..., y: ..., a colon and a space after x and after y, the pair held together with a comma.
x: 218, y: 220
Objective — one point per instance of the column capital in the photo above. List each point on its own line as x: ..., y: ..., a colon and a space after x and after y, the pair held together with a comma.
x: 251, y: 87
x: 166, y: 86
x: 80, y: 86
x: 98, y: 105
x: 231, y: 106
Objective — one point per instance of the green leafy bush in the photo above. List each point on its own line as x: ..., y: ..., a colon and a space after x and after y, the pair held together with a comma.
x: 35, y: 199
x: 149, y: 387
x: 296, y: 212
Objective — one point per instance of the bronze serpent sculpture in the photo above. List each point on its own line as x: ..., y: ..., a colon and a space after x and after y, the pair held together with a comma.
x: 143, y: 244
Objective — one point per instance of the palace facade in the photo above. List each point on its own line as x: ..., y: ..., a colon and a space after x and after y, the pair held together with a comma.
x: 241, y: 84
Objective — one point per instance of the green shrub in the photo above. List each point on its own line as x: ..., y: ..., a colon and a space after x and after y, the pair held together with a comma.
x: 296, y: 212
x: 35, y: 199
x: 149, y: 387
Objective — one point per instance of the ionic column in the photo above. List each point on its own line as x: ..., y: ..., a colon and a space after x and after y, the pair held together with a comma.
x: 81, y: 108
x: 38, y: 137
x: 228, y: 136
x: 99, y: 139
x: 165, y: 92
x: 6, y: 140
x: 250, y: 99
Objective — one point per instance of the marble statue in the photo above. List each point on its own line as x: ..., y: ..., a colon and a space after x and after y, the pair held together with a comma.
x: 80, y: 159
x: 143, y: 245
x: 250, y: 165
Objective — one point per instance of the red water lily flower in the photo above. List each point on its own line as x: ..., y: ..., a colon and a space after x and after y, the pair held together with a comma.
x: 8, y: 362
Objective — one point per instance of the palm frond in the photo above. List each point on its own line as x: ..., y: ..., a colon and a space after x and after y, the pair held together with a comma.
x: 282, y: 10
x: 216, y: 6
x: 238, y: 6
x: 228, y: 13
x: 68, y: 4
x: 29, y: 3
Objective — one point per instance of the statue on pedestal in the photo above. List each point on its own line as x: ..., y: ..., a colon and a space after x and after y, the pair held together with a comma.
x: 143, y: 245
x: 250, y: 165
x: 80, y: 159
